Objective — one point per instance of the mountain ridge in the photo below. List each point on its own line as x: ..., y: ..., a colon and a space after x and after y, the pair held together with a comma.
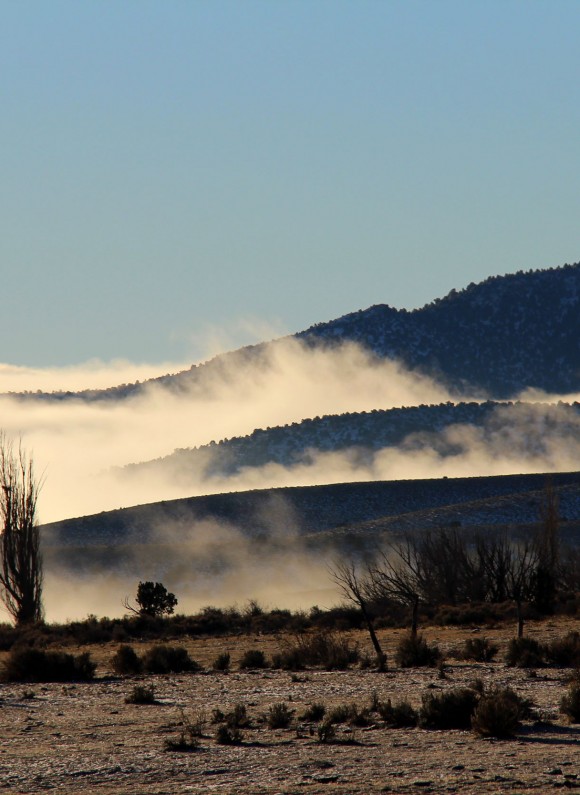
x: 499, y: 336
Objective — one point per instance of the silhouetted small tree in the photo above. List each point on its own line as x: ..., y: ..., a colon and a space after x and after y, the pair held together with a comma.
x: 153, y: 599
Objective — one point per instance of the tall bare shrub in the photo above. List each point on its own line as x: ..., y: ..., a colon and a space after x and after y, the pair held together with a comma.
x: 20, y: 557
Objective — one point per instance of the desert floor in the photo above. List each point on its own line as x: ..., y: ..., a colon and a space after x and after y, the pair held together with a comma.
x: 84, y: 738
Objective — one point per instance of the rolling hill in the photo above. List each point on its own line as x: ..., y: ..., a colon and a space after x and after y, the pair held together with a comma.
x: 499, y: 337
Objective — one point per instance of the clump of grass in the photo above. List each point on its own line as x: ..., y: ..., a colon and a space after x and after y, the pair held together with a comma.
x: 37, y: 665
x: 398, y: 716
x: 162, y: 659
x: 525, y: 653
x: 451, y: 709
x: 498, y: 714
x: 125, y: 661
x: 479, y: 650
x: 413, y: 651
x: 253, y: 658
x: 570, y: 703
x: 141, y: 694
x: 222, y: 662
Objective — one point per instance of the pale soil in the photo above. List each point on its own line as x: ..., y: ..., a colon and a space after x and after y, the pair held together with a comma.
x: 84, y: 738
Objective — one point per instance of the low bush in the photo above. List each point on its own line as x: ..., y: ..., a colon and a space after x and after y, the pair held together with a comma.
x: 329, y: 650
x: 451, y: 709
x: 498, y: 714
x: 182, y: 744
x: 289, y: 659
x: 479, y: 650
x: 187, y: 739
x: 349, y: 713
x: 228, y: 735
x: 163, y: 659
x: 253, y: 658
x: 413, y: 651
x: 141, y: 694
x: 525, y: 653
x: 398, y: 716
x: 222, y: 662
x: 570, y: 703
x: 280, y: 716
x: 326, y: 733
x: 236, y: 719
x: 565, y: 651
x: 315, y: 712
x: 126, y: 662
x: 37, y: 665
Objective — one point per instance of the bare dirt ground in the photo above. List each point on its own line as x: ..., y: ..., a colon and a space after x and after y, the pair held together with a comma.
x: 77, y: 738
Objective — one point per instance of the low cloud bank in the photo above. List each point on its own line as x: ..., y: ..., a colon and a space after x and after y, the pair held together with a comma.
x: 76, y: 443
x: 203, y: 563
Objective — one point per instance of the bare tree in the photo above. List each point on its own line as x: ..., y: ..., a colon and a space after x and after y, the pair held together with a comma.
x: 20, y: 557
x: 548, y: 575
x: 355, y: 587
x: 399, y: 574
x: 523, y: 567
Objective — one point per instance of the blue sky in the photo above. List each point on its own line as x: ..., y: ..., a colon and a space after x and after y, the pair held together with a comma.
x: 175, y: 170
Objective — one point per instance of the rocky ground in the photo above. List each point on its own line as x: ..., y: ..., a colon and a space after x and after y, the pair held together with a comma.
x: 84, y: 738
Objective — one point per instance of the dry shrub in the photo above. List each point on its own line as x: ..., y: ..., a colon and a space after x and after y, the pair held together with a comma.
x: 222, y: 662
x: 451, y: 709
x: 413, y: 651
x: 498, y: 714
x: 525, y: 653
x: 280, y: 716
x: 141, y: 694
x: 328, y: 650
x: 163, y: 659
x: 237, y: 718
x: 479, y: 650
x: 565, y: 651
x: 36, y: 665
x: 398, y: 716
x: 125, y: 661
x: 190, y: 731
x: 570, y: 703
x: 253, y: 658
x: 315, y: 712
x: 326, y: 733
x: 351, y: 714
x: 228, y: 735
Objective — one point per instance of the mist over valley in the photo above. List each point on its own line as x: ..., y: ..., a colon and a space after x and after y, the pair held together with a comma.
x: 481, y: 384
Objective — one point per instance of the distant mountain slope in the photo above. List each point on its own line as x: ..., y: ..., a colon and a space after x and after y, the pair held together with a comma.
x: 501, y: 336
x: 291, y: 512
x: 531, y: 428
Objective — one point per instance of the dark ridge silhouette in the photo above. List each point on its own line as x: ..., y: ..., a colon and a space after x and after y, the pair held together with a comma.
x: 500, y: 336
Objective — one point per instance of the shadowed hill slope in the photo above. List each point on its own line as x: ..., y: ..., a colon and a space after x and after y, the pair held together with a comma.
x: 291, y: 512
